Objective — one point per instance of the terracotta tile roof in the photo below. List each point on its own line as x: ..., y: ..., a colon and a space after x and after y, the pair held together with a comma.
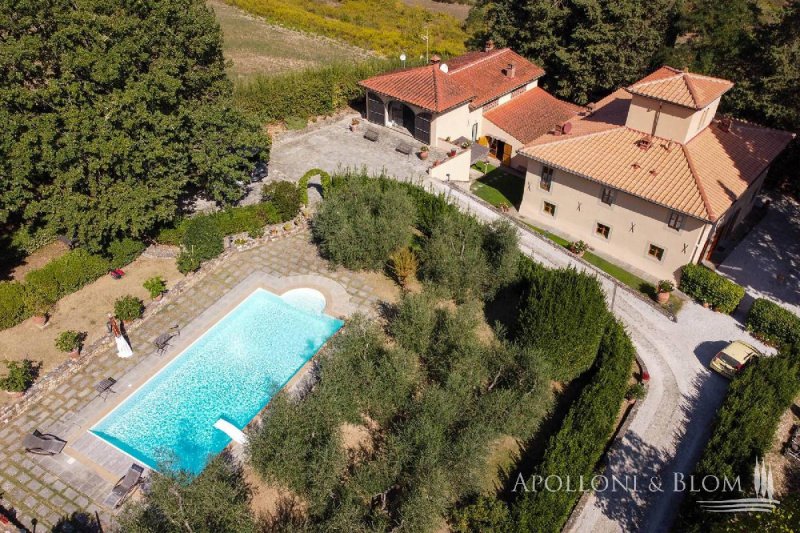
x: 427, y: 87
x: 531, y: 114
x: 701, y: 178
x: 682, y: 88
x: 475, y: 77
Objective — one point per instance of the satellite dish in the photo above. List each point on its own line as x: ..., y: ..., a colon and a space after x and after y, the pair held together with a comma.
x: 402, y: 57
x: 444, y: 68
x: 566, y: 128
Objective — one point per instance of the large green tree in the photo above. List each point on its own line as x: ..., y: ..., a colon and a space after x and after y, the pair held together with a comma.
x: 587, y: 47
x: 112, y: 112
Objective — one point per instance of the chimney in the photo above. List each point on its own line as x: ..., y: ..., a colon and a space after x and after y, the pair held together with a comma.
x: 435, y: 59
x: 725, y: 124
x: 511, y: 70
x: 489, y: 46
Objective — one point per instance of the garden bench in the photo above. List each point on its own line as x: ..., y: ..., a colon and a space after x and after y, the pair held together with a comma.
x: 405, y: 148
x: 372, y: 135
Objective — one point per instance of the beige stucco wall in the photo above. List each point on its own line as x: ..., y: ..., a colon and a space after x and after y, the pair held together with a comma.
x: 674, y: 122
x: 579, y: 209
x: 457, y: 167
x: 453, y: 124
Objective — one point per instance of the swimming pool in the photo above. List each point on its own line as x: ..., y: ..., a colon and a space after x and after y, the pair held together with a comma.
x: 230, y: 372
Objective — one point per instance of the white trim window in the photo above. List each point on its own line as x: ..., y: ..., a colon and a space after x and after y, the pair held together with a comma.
x: 656, y: 252
x: 549, y: 208
x: 601, y: 230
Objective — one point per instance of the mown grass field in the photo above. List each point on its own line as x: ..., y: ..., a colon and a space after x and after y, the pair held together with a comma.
x: 388, y: 27
x: 255, y: 47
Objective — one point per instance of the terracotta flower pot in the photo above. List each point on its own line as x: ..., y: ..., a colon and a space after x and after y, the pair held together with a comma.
x: 706, y: 305
x: 158, y: 298
x: 662, y: 297
x: 14, y: 394
x: 75, y: 354
x: 40, y: 320
x: 423, y: 155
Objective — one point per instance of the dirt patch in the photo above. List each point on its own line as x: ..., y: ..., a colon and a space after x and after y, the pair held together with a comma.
x: 84, y: 310
x: 271, y: 502
x: 356, y: 438
x: 503, y: 454
x: 38, y: 259
x: 383, y: 287
x: 785, y: 471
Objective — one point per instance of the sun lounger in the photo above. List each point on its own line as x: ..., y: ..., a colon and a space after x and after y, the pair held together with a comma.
x: 43, y: 443
x: 405, y: 148
x: 103, y: 388
x: 372, y: 135
x: 162, y: 341
x: 125, y: 486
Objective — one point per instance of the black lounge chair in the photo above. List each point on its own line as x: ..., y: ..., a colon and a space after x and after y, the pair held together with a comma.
x: 43, y: 443
x: 125, y: 486
x: 162, y: 341
x: 405, y: 148
x: 372, y: 135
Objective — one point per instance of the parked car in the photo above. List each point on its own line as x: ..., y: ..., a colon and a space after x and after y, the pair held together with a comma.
x: 732, y: 359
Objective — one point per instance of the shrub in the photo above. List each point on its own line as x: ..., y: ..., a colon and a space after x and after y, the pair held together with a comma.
x: 172, y: 236
x: 362, y: 222
x: 485, y: 514
x: 155, y: 286
x: 578, y: 247
x: 709, y: 287
x: 563, y: 314
x: 123, y: 251
x: 37, y: 302
x: 20, y: 376
x: 665, y: 285
x: 66, y: 274
x: 744, y: 428
x: 453, y: 257
x: 773, y: 324
x: 250, y: 219
x: 203, y: 238
x: 284, y: 196
x: 636, y: 391
x: 584, y: 434
x: 12, y: 304
x: 187, y: 262
x: 128, y: 308
x: 68, y: 341
x: 403, y: 264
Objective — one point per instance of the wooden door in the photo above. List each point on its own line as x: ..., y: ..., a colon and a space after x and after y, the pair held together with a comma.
x: 507, y: 154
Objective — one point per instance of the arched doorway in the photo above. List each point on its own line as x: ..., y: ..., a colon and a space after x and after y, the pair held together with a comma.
x: 402, y: 116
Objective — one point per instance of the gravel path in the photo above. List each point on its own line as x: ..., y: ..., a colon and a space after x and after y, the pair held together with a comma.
x: 671, y: 425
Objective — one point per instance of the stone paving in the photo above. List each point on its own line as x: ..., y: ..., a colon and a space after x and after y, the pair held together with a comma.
x: 45, y: 489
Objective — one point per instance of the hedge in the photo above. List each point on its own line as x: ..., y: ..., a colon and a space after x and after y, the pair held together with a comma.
x: 709, y: 287
x: 744, y: 429
x: 67, y: 274
x: 584, y: 434
x: 284, y: 196
x: 307, y: 93
x: 12, y: 304
x: 773, y: 324
x: 249, y: 218
x: 123, y: 251
x: 302, y: 185
x: 563, y: 314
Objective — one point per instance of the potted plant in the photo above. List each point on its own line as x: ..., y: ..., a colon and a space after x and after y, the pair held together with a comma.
x: 128, y: 308
x: 665, y: 287
x: 20, y: 376
x: 465, y: 145
x: 578, y: 248
x: 452, y: 152
x: 354, y: 124
x: 71, y: 342
x: 423, y: 152
x: 156, y: 287
x: 40, y: 305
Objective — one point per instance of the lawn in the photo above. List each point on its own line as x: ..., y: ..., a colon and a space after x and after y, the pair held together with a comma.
x: 631, y: 280
x: 255, y: 47
x: 388, y: 28
x: 497, y: 186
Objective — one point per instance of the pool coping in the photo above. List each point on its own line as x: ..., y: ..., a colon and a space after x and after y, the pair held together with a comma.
x: 111, y: 462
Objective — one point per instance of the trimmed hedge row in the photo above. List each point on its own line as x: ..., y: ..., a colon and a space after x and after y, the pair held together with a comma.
x: 578, y: 446
x: 744, y: 429
x: 249, y: 218
x: 773, y: 324
x: 302, y: 185
x: 707, y: 286
x: 45, y: 286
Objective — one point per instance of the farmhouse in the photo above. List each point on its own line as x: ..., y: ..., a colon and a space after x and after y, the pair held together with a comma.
x: 650, y: 175
x: 490, y: 97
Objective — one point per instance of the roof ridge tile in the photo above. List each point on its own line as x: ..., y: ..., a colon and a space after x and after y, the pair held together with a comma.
x: 712, y: 216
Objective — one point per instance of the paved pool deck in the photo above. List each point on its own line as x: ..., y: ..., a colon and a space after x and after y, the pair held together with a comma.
x: 45, y: 489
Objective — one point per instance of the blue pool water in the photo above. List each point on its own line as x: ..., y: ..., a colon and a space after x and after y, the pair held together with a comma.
x: 231, y: 372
